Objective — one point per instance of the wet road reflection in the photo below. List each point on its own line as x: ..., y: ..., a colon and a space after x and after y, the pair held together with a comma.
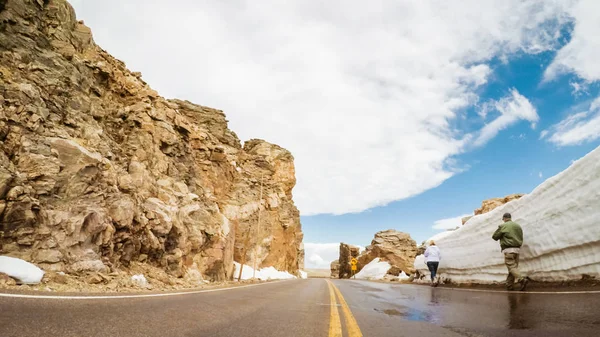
x: 487, y: 313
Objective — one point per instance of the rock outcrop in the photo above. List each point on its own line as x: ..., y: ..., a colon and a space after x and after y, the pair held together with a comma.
x: 490, y: 204
x: 277, y: 240
x: 335, y: 269
x: 347, y: 252
x: 98, y: 171
x: 392, y: 246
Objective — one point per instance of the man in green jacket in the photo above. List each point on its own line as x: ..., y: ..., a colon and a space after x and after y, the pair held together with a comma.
x: 510, y: 235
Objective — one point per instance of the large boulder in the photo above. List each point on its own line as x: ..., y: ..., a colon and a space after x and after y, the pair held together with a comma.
x: 335, y: 269
x: 392, y: 246
x: 347, y: 252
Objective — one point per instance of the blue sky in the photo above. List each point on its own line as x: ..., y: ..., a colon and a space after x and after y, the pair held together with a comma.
x: 516, y: 161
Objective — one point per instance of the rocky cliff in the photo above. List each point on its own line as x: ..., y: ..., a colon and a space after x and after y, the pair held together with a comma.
x: 97, y: 171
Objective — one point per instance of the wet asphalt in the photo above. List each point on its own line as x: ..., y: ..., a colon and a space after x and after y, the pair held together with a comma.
x: 414, y: 310
x: 302, y: 308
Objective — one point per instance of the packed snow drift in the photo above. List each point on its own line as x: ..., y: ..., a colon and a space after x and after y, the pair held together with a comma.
x: 22, y: 271
x: 269, y: 273
x: 561, y: 225
x: 374, y: 270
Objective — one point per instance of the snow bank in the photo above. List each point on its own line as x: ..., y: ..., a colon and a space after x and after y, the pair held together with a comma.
x: 303, y: 274
x: 22, y: 271
x: 374, y: 270
x: 561, y: 225
x: 269, y: 273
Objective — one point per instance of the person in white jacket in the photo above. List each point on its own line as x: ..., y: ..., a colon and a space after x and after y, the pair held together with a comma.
x: 432, y: 259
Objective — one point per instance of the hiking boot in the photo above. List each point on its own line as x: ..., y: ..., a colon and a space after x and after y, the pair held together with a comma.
x: 524, y: 284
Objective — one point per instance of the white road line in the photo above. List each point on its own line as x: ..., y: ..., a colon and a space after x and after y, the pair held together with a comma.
x: 108, y: 297
x: 527, y: 292
x: 498, y: 291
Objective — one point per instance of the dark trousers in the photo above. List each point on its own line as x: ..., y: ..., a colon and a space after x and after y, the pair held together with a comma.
x: 433, y: 266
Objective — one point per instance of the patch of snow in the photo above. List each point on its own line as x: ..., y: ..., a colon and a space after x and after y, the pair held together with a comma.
x: 561, y: 232
x: 21, y: 270
x: 269, y: 273
x: 403, y: 276
x: 303, y: 274
x: 374, y: 270
x: 140, y: 280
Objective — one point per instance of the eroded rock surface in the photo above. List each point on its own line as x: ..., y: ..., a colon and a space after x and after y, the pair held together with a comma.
x: 335, y: 269
x: 98, y: 171
x: 347, y: 252
x: 392, y: 246
x: 490, y: 204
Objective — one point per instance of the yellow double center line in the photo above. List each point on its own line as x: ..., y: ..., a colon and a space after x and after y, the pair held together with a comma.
x: 335, y: 326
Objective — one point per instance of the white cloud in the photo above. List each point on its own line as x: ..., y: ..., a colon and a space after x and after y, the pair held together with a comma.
x: 577, y: 128
x: 320, y: 255
x: 364, y: 96
x: 450, y: 223
x: 579, y: 88
x: 580, y: 55
x: 512, y: 108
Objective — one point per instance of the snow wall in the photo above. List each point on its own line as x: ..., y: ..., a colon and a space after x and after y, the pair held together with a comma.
x: 561, y: 226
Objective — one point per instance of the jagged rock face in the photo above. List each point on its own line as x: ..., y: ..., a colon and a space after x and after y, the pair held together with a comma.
x: 98, y: 170
x: 347, y: 252
x: 490, y: 204
x: 397, y: 248
x: 335, y: 269
x: 277, y: 239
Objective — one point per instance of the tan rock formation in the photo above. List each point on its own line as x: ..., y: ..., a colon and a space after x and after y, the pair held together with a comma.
x: 347, y: 252
x: 335, y: 269
x: 490, y: 204
x: 395, y: 247
x: 277, y: 240
x: 98, y: 171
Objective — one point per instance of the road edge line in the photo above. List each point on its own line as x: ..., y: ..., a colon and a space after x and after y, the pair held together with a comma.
x: 424, y: 285
x: 108, y: 297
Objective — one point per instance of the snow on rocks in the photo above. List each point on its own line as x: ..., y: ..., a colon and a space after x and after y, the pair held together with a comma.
x: 22, y: 271
x: 403, y: 276
x: 560, y: 225
x: 374, y: 270
x: 269, y: 273
x: 139, y: 280
x: 303, y: 274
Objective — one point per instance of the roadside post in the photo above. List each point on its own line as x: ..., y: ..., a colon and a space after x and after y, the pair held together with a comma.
x: 353, y: 262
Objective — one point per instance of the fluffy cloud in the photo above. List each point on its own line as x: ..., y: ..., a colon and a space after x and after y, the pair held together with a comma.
x: 364, y: 95
x: 512, y: 108
x: 320, y: 255
x: 577, y: 128
x: 580, y: 55
x: 450, y: 223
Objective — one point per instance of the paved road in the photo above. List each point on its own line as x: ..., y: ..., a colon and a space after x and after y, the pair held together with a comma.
x: 307, y: 308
